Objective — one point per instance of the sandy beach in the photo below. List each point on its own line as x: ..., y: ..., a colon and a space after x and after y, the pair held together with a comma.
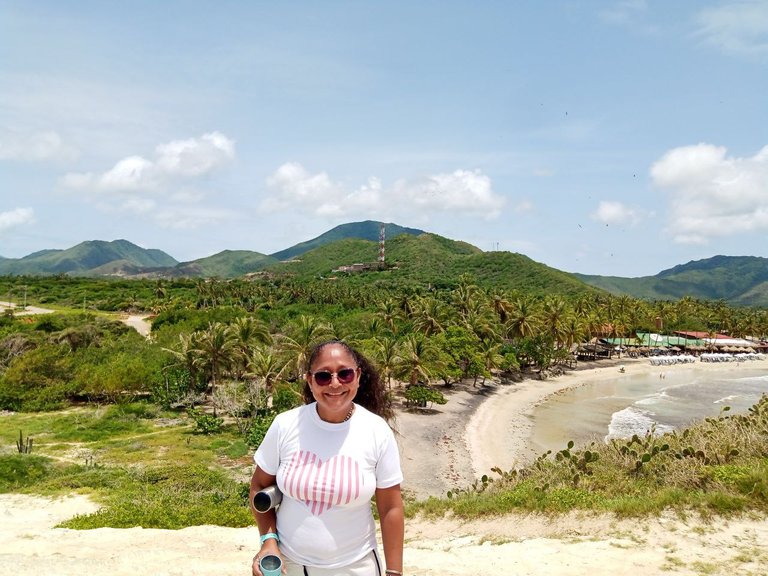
x: 442, y: 448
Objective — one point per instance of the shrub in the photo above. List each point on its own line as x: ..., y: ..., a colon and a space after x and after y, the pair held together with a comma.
x: 205, y: 423
x: 420, y: 395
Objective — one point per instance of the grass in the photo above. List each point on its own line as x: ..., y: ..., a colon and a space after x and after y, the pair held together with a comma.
x: 148, y: 468
x: 716, y: 467
x: 145, y: 467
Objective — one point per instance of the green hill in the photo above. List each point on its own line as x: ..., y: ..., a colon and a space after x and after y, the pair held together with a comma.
x: 739, y: 280
x: 225, y: 264
x: 367, y: 230
x: 85, y: 257
x: 431, y: 260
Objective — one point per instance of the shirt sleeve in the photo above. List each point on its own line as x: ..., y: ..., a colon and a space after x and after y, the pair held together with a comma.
x: 388, y: 471
x: 267, y: 456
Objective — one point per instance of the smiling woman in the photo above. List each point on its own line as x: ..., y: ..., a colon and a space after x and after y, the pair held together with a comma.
x: 329, y: 458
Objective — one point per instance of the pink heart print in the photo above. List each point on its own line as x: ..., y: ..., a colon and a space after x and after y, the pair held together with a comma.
x: 323, y: 485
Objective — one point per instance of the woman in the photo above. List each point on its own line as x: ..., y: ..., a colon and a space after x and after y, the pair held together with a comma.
x: 328, y: 458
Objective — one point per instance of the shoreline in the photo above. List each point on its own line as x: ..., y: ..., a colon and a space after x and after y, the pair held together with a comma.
x: 448, y: 447
x: 508, y: 417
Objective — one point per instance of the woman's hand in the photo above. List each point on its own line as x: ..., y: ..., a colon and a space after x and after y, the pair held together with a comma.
x: 269, y: 547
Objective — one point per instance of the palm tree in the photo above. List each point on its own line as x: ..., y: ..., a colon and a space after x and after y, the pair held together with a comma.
x: 298, y: 346
x: 186, y: 355
x: 522, y: 322
x: 417, y: 359
x: 492, y: 358
x: 500, y: 304
x: 247, y: 332
x: 553, y: 316
x: 264, y: 365
x: 389, y: 312
x: 215, y: 349
x: 385, y: 352
x: 573, y: 330
x: 429, y: 316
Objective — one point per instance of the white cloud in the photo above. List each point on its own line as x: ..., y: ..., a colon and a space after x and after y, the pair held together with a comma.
x: 162, y: 189
x: 195, y: 157
x: 712, y: 195
x: 38, y: 146
x: 736, y: 27
x: 614, y: 213
x: 462, y: 192
x: 175, y: 160
x: 17, y: 217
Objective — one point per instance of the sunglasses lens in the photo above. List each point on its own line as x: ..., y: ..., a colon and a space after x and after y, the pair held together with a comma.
x: 346, y: 375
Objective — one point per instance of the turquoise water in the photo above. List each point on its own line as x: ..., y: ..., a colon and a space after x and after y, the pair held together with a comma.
x: 634, y: 403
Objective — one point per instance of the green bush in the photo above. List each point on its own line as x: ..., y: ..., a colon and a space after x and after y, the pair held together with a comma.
x: 419, y: 395
x: 205, y: 423
x: 261, y: 424
x: 171, y: 497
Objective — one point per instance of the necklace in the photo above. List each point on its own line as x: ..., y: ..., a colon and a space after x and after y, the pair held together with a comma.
x: 346, y: 418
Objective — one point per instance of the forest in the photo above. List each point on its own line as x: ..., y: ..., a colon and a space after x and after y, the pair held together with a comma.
x: 225, y: 356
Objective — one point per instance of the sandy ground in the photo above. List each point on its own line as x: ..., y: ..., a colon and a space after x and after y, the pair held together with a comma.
x: 442, y: 448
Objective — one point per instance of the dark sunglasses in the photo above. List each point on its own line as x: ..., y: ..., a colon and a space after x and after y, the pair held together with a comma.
x: 344, y: 376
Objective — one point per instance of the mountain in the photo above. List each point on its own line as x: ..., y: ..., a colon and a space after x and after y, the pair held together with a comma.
x: 225, y: 264
x: 367, y: 230
x: 739, y: 280
x: 430, y: 260
x: 412, y: 257
x: 83, y: 259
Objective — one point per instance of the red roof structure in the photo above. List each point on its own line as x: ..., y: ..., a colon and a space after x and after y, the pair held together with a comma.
x: 701, y: 335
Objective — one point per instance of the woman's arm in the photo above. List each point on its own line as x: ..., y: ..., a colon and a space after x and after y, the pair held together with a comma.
x: 266, y: 521
x: 389, y: 503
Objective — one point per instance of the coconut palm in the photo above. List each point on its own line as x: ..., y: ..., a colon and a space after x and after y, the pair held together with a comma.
x: 385, y: 353
x: 492, y: 357
x: 429, y: 316
x: 265, y: 367
x: 298, y: 344
x: 523, y: 321
x: 417, y: 359
x: 215, y: 350
x: 247, y: 332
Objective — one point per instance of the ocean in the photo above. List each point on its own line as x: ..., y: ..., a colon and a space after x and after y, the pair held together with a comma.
x: 634, y: 403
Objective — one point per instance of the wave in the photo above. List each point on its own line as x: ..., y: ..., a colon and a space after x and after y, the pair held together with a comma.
x: 629, y: 421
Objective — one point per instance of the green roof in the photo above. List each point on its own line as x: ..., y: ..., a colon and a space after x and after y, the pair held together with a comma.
x: 651, y: 340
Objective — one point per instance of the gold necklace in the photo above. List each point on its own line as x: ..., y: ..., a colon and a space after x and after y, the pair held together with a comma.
x: 346, y: 418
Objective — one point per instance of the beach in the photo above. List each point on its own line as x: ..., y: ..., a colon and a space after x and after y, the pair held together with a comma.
x: 442, y: 447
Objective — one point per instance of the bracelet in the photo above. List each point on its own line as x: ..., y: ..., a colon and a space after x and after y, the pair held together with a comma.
x: 390, y: 571
x: 269, y: 535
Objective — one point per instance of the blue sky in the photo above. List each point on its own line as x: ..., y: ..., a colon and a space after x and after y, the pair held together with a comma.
x: 614, y: 138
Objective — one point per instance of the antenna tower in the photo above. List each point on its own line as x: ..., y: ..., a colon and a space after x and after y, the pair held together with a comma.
x: 382, y: 237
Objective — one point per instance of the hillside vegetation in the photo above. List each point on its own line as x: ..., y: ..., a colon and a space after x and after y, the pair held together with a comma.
x: 413, y: 257
x: 739, y: 280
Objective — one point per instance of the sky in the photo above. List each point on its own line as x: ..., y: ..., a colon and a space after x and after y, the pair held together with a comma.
x: 617, y: 137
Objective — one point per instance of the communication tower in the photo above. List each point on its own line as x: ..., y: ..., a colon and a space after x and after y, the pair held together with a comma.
x: 382, y: 237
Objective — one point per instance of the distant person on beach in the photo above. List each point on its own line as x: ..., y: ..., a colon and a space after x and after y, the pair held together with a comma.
x: 329, y: 457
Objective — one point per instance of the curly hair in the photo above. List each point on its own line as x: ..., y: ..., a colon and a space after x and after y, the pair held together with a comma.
x: 371, y: 394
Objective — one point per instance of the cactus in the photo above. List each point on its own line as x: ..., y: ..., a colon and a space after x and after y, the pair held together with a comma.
x: 22, y: 446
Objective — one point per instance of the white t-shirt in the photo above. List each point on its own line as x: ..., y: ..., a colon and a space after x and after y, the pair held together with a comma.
x: 328, y: 474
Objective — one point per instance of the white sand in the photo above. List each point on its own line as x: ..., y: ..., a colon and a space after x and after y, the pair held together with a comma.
x: 520, y: 545
x: 440, y: 448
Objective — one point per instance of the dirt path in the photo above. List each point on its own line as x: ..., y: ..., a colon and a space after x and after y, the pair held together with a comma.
x: 138, y: 323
